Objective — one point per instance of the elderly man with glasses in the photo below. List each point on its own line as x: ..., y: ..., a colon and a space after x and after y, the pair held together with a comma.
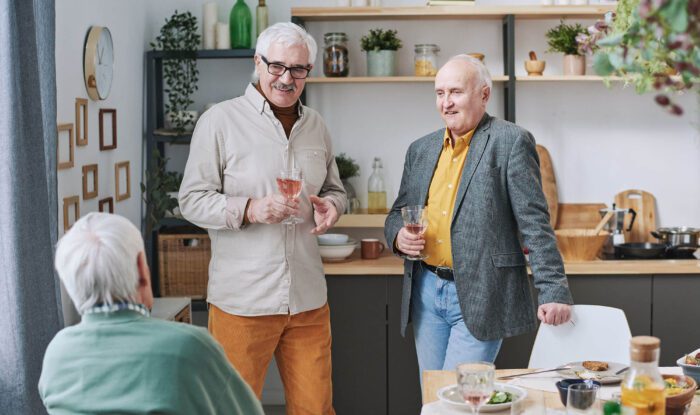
x: 267, y: 289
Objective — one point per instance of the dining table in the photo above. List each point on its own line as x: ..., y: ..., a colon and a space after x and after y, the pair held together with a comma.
x: 541, y: 399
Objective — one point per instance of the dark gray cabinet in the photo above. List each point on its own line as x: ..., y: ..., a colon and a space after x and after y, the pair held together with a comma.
x: 676, y: 318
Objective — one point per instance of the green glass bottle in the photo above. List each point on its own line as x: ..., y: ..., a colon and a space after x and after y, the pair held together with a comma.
x: 240, y: 25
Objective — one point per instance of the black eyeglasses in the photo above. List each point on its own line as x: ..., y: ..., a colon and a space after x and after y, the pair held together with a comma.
x: 297, y: 72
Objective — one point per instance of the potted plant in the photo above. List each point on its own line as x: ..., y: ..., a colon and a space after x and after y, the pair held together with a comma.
x: 653, y: 45
x: 562, y: 38
x: 347, y: 168
x: 381, y: 46
x: 180, y: 39
x: 158, y: 190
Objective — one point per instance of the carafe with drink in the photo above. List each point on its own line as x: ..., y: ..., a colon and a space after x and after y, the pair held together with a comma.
x: 643, y: 387
x: 376, y: 191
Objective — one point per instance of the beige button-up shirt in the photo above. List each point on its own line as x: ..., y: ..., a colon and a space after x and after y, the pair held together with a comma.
x: 238, y: 149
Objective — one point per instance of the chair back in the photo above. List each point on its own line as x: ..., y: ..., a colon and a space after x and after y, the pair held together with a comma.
x: 598, y: 333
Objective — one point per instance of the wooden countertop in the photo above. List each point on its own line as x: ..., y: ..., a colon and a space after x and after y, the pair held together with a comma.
x: 433, y: 380
x: 391, y: 265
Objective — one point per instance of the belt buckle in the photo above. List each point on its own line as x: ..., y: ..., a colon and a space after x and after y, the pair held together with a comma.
x: 444, y: 272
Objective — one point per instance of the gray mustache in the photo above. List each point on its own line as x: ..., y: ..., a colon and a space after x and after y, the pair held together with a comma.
x: 284, y: 87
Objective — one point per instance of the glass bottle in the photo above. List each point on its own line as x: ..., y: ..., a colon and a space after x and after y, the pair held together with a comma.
x: 335, y: 55
x: 425, y: 59
x: 261, y: 19
x: 376, y: 192
x: 643, y: 387
x: 240, y: 25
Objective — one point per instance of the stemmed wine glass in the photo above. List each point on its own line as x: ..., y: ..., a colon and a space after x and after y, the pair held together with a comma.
x: 475, y: 381
x: 415, y: 219
x: 289, y: 184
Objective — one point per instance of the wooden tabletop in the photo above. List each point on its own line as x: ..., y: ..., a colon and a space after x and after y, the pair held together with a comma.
x: 433, y: 380
x: 388, y: 264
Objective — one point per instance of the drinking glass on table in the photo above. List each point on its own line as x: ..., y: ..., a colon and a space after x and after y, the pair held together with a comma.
x: 475, y: 380
x: 415, y: 219
x: 581, y: 399
x: 289, y: 184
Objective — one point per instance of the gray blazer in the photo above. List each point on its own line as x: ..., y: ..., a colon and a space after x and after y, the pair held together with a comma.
x: 499, y: 203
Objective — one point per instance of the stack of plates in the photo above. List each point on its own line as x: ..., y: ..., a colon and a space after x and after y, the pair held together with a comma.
x: 336, y: 246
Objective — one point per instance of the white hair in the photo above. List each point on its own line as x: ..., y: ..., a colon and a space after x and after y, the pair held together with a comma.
x: 97, y: 260
x: 288, y: 34
x: 481, y: 71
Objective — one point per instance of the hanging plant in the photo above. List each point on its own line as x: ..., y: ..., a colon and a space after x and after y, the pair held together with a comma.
x: 653, y: 45
x: 179, y: 37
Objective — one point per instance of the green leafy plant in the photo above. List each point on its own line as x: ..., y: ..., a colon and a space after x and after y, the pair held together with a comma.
x: 379, y: 39
x: 347, y: 167
x: 180, y: 39
x: 655, y: 46
x: 562, y: 38
x: 155, y: 191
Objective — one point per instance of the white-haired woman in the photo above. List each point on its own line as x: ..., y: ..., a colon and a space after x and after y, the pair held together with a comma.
x: 267, y: 289
x: 118, y: 359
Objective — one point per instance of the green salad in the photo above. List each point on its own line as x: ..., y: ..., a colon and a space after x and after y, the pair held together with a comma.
x: 501, y: 397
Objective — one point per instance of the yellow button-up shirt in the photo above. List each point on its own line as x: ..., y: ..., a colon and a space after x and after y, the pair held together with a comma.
x: 441, y: 199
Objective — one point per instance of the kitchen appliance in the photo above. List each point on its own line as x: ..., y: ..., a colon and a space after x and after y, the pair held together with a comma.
x: 682, y: 241
x: 640, y: 250
x: 644, y: 203
x: 616, y: 227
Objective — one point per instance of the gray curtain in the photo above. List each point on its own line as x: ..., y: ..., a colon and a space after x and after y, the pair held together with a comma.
x: 29, y: 296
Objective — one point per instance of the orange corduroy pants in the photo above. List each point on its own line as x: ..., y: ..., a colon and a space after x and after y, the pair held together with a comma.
x: 301, y: 344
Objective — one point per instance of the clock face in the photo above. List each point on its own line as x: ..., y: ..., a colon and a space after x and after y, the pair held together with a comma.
x: 104, y: 65
x: 98, y: 62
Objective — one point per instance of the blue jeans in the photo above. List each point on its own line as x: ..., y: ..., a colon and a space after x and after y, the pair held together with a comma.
x: 442, y: 339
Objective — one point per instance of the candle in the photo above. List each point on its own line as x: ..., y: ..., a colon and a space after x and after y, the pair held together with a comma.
x: 223, y: 37
x: 210, y: 16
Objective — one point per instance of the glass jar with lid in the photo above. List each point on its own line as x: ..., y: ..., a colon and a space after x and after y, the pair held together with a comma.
x: 425, y: 62
x: 335, y: 55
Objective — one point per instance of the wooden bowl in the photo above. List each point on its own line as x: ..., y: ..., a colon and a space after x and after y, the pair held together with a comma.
x: 534, y: 68
x: 676, y: 404
x: 580, y: 244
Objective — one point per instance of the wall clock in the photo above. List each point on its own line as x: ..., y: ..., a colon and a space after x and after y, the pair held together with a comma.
x: 98, y: 62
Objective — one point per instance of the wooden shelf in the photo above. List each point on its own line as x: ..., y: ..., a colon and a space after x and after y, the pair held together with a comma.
x: 449, y: 12
x: 361, y: 220
x: 383, y: 79
x: 566, y: 78
x: 206, y: 54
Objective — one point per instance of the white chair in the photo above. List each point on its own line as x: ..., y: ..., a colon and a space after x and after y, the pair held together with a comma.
x: 598, y: 333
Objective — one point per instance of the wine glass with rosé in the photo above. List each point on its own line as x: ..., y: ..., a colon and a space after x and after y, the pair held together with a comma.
x: 415, y: 220
x: 476, y: 383
x: 289, y: 184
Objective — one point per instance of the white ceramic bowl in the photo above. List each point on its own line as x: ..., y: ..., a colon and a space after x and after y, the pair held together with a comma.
x: 332, y: 239
x: 690, y: 370
x: 336, y: 252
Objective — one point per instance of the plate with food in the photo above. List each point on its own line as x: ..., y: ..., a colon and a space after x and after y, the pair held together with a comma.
x: 607, y: 373
x: 503, y: 396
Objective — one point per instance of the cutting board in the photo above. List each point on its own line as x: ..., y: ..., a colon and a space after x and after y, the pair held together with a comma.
x: 579, y: 215
x: 549, y: 184
x: 644, y: 204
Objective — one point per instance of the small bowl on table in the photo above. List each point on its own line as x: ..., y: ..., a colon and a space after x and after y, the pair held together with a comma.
x: 335, y: 253
x: 332, y: 239
x: 676, y: 404
x: 690, y: 370
x: 563, y: 387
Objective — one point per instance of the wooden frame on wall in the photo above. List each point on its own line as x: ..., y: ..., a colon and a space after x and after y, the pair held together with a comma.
x: 117, y: 175
x: 60, y: 165
x: 90, y: 194
x: 73, y: 201
x: 104, y: 112
x: 81, y: 122
x: 107, y: 201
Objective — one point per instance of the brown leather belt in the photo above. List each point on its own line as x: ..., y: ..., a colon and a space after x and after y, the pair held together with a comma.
x: 442, y: 272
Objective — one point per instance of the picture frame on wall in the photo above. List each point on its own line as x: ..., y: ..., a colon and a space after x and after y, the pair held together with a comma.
x: 122, y: 169
x: 65, y: 131
x: 106, y: 205
x: 68, y: 203
x: 81, y: 122
x: 90, y: 175
x: 108, y: 129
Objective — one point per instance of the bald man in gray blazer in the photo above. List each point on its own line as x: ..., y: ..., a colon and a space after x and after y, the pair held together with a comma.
x: 480, y: 181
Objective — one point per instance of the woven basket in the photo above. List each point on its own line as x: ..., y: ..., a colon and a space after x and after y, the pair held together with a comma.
x: 183, y: 261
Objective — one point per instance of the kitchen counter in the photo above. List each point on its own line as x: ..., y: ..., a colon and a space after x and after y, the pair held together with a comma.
x: 391, y: 265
